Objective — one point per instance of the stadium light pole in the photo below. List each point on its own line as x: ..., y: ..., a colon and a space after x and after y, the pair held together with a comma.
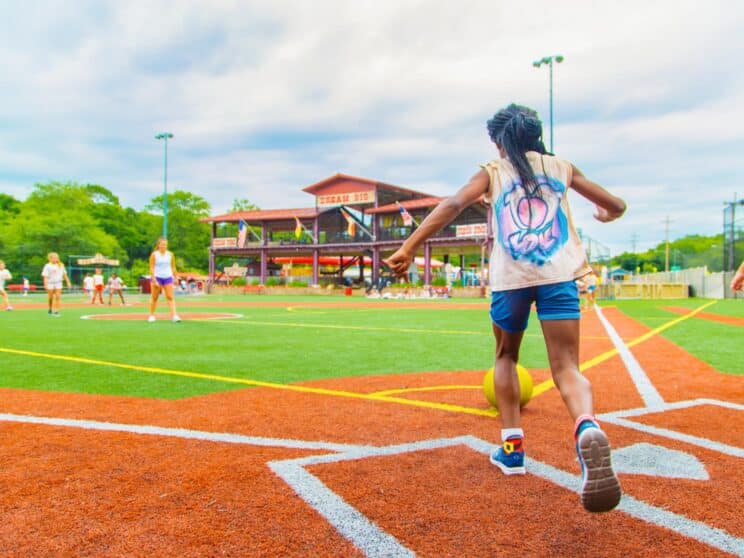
x: 548, y: 60
x: 165, y: 136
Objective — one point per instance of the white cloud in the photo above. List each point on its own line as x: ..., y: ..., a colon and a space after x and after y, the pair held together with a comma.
x: 265, y: 98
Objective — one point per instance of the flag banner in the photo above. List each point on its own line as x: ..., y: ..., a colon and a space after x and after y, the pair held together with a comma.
x: 351, y: 228
x: 407, y: 217
x: 298, y: 229
x: 242, y: 232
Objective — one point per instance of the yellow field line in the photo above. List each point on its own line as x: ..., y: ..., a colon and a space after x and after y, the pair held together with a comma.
x: 427, y: 388
x: 368, y: 328
x: 258, y: 383
x: 584, y: 366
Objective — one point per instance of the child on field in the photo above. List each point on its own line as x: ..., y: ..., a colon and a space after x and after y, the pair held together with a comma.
x: 536, y: 257
x: 115, y: 286
x: 88, y: 287
x: 97, y: 287
x: 162, y: 276
x: 4, y: 276
x: 26, y: 286
x: 54, y: 273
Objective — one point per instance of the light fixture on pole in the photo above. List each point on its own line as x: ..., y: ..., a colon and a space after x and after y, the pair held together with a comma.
x: 165, y: 136
x: 548, y: 60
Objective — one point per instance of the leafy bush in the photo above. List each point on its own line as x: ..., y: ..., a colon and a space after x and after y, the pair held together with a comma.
x: 238, y: 282
x: 439, y: 282
x: 299, y: 284
x: 274, y: 281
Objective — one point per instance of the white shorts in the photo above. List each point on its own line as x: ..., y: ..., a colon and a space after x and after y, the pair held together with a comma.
x: 54, y: 286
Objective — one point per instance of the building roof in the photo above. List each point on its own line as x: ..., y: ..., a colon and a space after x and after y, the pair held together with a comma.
x: 429, y: 201
x: 369, y: 183
x: 264, y: 215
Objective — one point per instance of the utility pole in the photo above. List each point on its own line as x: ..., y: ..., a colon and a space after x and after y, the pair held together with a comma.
x: 634, y: 241
x: 666, y: 222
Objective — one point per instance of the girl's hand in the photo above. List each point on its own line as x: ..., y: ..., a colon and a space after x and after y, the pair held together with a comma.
x: 604, y: 216
x: 738, y: 281
x: 399, y: 263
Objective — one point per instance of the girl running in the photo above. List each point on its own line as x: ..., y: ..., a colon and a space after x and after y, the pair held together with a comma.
x: 54, y: 273
x: 4, y: 276
x: 162, y: 275
x: 536, y: 257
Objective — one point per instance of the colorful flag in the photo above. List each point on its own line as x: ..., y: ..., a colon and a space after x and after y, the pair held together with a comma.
x: 351, y: 228
x: 242, y: 232
x: 407, y: 217
x: 298, y: 229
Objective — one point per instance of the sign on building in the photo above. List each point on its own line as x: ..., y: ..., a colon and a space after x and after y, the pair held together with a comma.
x: 476, y: 229
x: 226, y: 242
x: 349, y: 198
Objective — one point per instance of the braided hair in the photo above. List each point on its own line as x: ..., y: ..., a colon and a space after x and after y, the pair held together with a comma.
x: 518, y: 129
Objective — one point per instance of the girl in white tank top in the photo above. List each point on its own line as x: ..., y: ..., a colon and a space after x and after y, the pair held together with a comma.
x: 162, y: 275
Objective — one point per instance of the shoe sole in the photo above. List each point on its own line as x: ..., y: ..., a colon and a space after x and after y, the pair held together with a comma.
x: 507, y: 470
x: 600, y: 490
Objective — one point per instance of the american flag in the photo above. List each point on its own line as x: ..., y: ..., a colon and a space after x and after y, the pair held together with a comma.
x: 407, y: 217
x: 242, y: 232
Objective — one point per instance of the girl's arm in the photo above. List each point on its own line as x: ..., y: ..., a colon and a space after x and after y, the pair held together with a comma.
x: 152, y: 267
x: 609, y: 207
x: 173, y: 264
x: 442, y: 215
x: 44, y: 277
x: 67, y: 279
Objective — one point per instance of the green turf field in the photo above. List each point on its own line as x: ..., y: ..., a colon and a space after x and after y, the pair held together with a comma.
x: 294, y: 342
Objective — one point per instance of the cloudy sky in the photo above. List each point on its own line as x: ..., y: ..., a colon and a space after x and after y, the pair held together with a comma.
x: 267, y: 97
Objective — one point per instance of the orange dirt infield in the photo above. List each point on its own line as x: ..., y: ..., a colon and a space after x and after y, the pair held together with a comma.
x: 95, y: 489
x: 730, y: 320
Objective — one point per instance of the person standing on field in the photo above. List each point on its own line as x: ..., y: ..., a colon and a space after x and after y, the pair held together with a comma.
x: 162, y: 276
x: 97, y: 287
x: 536, y: 257
x: 4, y: 276
x: 54, y: 274
x: 115, y: 286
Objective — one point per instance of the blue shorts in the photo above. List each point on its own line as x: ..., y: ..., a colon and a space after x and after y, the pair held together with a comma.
x: 510, y: 310
x: 163, y: 281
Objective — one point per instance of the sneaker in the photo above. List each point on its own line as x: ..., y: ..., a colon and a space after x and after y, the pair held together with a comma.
x: 50, y: 312
x: 600, y: 488
x: 510, y: 457
x: 55, y: 314
x: 151, y: 319
x: 9, y: 308
x: 176, y: 319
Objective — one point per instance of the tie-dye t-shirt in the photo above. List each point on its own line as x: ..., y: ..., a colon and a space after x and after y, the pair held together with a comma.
x: 535, y: 242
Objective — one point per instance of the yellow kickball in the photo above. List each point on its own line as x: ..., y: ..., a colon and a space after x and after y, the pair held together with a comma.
x: 525, y: 386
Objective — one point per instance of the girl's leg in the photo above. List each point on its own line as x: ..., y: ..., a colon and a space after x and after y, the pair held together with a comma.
x: 57, y: 300
x: 155, y: 293
x: 171, y: 299
x: 505, y: 379
x: 562, y: 341
x: 50, y: 299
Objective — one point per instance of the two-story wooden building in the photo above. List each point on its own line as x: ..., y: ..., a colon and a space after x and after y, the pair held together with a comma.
x: 352, y: 218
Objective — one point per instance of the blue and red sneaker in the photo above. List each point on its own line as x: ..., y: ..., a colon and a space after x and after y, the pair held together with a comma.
x: 600, y: 488
x: 510, y: 456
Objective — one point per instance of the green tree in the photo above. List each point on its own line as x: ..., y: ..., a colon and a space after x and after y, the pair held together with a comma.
x: 55, y: 217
